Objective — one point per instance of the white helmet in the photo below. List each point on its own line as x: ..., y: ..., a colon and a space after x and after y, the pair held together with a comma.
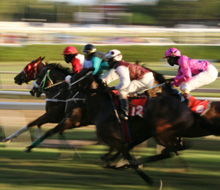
x: 115, y: 54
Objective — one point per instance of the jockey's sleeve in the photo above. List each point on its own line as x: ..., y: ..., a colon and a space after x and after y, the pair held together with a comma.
x: 76, y: 65
x: 96, y: 63
x: 184, y: 73
x: 109, y: 76
x: 124, y: 76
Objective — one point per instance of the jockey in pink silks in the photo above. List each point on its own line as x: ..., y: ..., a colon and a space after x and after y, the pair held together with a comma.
x: 191, y: 73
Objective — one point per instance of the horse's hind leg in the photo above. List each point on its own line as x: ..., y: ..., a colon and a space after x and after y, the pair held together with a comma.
x: 134, y: 164
x: 108, y: 157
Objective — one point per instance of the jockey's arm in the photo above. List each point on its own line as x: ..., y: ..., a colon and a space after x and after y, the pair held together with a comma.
x: 96, y: 64
x: 76, y: 66
x: 183, y: 75
x: 124, y: 76
x: 109, y: 76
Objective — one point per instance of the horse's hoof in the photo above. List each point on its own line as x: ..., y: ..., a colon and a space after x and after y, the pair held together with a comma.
x: 6, y: 140
x: 28, y: 150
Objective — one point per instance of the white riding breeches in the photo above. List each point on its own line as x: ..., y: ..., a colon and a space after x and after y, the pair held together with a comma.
x: 203, y: 78
x: 147, y: 81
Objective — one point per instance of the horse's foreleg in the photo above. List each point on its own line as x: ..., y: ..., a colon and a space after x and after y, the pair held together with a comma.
x: 39, y: 121
x: 16, y: 134
x: 49, y: 133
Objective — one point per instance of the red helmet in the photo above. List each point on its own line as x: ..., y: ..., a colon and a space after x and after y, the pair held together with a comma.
x: 69, y: 50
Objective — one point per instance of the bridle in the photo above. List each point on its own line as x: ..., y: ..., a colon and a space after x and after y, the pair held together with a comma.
x: 31, y: 71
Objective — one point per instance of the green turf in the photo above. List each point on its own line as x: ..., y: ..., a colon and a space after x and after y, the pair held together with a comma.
x: 61, y: 169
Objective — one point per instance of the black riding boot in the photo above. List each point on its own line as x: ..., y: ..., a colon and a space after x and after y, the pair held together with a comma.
x: 174, y: 91
x: 124, y: 109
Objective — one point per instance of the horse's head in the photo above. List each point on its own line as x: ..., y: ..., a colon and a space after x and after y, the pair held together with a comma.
x: 51, y: 75
x: 30, y: 71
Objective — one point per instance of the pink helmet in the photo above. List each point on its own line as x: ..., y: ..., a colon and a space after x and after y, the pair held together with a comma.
x: 172, y: 52
x: 69, y: 50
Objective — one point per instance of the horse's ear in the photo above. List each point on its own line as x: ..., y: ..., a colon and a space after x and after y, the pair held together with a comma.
x: 42, y: 58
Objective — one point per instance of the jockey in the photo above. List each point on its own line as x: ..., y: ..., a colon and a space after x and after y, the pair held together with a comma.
x: 72, y: 56
x: 133, y: 78
x: 94, y: 59
x: 192, y: 73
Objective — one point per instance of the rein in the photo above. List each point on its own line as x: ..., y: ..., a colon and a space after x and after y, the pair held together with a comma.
x: 90, y: 72
x: 43, y: 82
x: 55, y: 84
x: 154, y: 86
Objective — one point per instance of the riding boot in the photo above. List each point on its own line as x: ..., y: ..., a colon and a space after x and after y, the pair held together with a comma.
x: 174, y: 91
x: 124, y: 109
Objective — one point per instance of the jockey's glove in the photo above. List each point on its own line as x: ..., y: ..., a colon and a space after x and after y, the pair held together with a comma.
x: 68, y: 79
x: 169, y: 80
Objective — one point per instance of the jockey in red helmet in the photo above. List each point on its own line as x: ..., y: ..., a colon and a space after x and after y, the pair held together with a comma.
x: 72, y: 56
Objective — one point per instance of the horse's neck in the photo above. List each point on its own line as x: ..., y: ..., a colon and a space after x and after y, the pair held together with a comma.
x: 40, y: 67
x: 55, y: 92
x: 96, y: 104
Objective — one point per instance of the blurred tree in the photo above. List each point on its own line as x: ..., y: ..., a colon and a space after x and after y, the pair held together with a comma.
x: 165, y: 13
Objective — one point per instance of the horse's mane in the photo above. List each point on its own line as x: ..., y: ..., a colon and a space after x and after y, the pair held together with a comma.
x: 59, y: 67
x: 159, y: 77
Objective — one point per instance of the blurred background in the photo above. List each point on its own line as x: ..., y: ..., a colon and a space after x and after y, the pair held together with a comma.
x: 136, y: 21
x: 142, y: 30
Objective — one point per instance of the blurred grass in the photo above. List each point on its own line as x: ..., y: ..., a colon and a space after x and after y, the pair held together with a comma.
x: 130, y: 53
x: 47, y: 169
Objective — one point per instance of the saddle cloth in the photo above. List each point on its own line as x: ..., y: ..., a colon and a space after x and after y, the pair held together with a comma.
x: 197, y: 106
x: 136, y: 104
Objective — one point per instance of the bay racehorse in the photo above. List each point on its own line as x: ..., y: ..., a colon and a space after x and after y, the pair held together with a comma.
x: 167, y: 118
x: 30, y: 71
x: 77, y: 115
x: 55, y: 101
x: 109, y: 127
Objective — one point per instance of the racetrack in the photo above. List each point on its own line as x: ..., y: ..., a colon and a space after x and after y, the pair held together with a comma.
x: 63, y: 169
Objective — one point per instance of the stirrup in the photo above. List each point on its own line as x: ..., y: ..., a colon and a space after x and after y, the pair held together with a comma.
x: 124, y: 116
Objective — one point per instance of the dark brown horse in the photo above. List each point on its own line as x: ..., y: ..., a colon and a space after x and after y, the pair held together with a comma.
x: 30, y: 71
x: 76, y: 114
x: 166, y: 118
x: 158, y: 116
x: 55, y: 101
x: 108, y: 126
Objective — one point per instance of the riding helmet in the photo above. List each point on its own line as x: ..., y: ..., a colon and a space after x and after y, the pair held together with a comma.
x: 114, y: 54
x: 88, y: 49
x: 70, y: 50
x: 172, y: 52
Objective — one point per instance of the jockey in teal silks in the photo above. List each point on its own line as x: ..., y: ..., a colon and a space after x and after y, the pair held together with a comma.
x: 93, y: 59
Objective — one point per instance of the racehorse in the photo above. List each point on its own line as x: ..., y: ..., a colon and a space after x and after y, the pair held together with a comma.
x: 202, y: 124
x: 77, y: 115
x: 108, y: 126
x: 74, y: 114
x: 30, y: 71
x: 55, y: 101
